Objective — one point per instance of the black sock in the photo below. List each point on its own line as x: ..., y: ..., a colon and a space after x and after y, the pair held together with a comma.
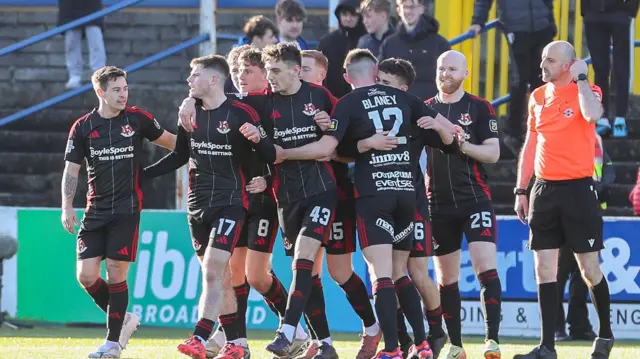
x: 299, y: 291
x: 276, y: 296
x: 229, y: 323
x: 403, y: 335
x: 491, y: 297
x: 434, y: 318
x: 548, y: 301
x: 242, y: 298
x: 384, y: 297
x: 450, y: 302
x: 204, y: 327
x: 99, y: 291
x: 118, y: 302
x: 315, y: 310
x: 358, y: 297
x: 602, y: 302
x: 411, y: 305
x: 310, y: 328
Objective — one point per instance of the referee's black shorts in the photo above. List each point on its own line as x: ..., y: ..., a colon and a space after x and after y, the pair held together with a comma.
x: 565, y: 212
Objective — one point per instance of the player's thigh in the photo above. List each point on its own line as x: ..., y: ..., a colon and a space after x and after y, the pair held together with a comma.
x: 92, y: 237
x: 422, y: 233
x: 545, y: 226
x: 199, y: 228
x: 446, y: 229
x: 122, y: 237
x: 262, y: 228
x: 290, y: 218
x: 342, y: 239
x: 582, y: 217
x: 399, y: 261
x: 481, y: 231
x: 404, y: 223
x: 318, y: 216
x: 226, y: 225
x: 374, y: 221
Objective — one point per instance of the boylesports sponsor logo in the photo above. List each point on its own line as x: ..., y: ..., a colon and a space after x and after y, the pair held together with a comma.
x: 211, y: 149
x: 296, y: 133
x: 402, y: 235
x: 396, y: 180
x: 112, y: 153
x: 389, y: 159
x: 385, y: 225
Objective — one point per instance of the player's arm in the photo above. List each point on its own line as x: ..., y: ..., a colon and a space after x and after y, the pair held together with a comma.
x: 589, y: 97
x: 528, y: 153
x: 253, y: 131
x: 73, y: 156
x: 487, y: 132
x: 437, y: 131
x: 151, y: 130
x: 187, y: 113
x: 174, y: 160
x: 69, y: 183
x: 324, y: 147
x: 166, y: 140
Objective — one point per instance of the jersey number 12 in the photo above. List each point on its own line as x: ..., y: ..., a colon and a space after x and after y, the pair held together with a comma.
x: 387, y: 115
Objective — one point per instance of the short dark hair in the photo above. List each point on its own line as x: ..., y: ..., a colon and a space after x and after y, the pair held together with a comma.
x: 291, y: 9
x: 103, y: 75
x: 400, y: 68
x: 252, y: 57
x: 258, y: 26
x: 214, y: 62
x: 318, y: 56
x: 357, y: 55
x: 284, y: 51
x: 234, y: 53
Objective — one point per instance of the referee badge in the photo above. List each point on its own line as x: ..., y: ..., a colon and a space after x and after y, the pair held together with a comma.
x: 568, y: 113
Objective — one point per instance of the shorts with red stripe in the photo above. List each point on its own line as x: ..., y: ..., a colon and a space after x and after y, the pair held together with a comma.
x: 476, y: 220
x: 386, y: 219
x: 261, y: 229
x: 113, y: 236
x: 343, y: 231
x: 310, y: 217
x: 216, y: 227
x: 423, y: 239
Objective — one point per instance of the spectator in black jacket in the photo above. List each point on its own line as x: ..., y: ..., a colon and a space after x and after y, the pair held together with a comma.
x: 69, y: 10
x: 606, y: 23
x: 417, y: 40
x: 376, y: 19
x: 337, y: 44
x: 529, y: 26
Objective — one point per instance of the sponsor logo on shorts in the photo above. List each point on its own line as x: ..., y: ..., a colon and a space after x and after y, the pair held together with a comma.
x: 385, y: 225
x: 402, y: 235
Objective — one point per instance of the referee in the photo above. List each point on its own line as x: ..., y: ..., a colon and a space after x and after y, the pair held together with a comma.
x: 564, y: 210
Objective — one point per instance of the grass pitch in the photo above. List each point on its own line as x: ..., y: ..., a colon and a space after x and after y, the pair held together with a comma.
x: 63, y: 342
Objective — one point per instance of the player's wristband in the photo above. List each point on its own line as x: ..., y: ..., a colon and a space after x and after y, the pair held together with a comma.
x: 519, y: 191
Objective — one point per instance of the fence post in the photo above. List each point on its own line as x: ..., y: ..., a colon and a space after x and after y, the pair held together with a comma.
x: 333, y: 22
x: 208, y: 26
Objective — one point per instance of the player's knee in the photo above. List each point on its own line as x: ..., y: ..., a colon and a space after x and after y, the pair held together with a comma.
x: 259, y: 279
x: 87, y: 278
x: 214, y: 272
x: 306, y: 248
x: 417, y: 268
x: 592, y: 275
x: 546, y: 272
x: 340, y: 274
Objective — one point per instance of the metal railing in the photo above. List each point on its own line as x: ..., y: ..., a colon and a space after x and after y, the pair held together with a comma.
x: 68, y: 26
x: 470, y: 35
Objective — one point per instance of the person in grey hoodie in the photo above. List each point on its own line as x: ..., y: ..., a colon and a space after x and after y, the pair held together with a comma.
x: 417, y: 40
x: 529, y: 26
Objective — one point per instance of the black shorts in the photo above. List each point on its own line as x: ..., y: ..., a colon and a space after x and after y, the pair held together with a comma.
x: 261, y: 228
x: 422, y: 239
x: 386, y: 219
x: 343, y: 232
x: 476, y: 220
x: 565, y: 212
x: 217, y: 227
x: 311, y: 217
x: 113, y: 236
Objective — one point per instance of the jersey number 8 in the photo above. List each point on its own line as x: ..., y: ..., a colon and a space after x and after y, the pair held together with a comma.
x: 387, y: 114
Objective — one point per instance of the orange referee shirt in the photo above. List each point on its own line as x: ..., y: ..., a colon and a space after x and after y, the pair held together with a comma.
x: 566, y: 141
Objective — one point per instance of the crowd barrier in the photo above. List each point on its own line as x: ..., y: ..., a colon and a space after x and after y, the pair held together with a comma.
x: 164, y: 282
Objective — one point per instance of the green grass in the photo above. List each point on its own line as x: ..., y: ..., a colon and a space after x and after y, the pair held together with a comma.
x: 62, y: 342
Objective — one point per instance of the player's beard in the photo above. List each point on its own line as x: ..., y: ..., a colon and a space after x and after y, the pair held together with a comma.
x: 451, y: 87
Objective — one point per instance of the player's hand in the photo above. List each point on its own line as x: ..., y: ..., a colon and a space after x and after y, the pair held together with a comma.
x: 250, y: 132
x: 475, y: 29
x: 522, y: 208
x: 69, y: 220
x: 187, y: 114
x: 430, y: 123
x: 382, y: 142
x: 323, y: 120
x: 578, y: 67
x: 459, y: 134
x: 257, y: 185
x: 281, y: 155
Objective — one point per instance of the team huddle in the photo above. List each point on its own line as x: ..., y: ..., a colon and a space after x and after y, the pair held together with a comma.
x: 278, y: 155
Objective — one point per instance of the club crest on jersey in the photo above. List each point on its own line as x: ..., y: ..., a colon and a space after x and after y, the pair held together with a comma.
x: 310, y: 109
x: 223, y: 127
x: 465, y: 119
x: 127, y: 131
x: 568, y: 113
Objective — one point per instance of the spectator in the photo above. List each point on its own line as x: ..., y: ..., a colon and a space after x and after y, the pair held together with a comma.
x: 376, y: 19
x: 580, y: 328
x: 530, y: 26
x: 259, y: 32
x: 606, y: 23
x: 290, y: 17
x: 69, y: 10
x: 337, y: 43
x: 417, y: 40
x: 634, y: 196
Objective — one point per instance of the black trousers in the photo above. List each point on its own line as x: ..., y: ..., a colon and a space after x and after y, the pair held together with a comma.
x: 600, y: 36
x: 526, y: 50
x: 578, y: 313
